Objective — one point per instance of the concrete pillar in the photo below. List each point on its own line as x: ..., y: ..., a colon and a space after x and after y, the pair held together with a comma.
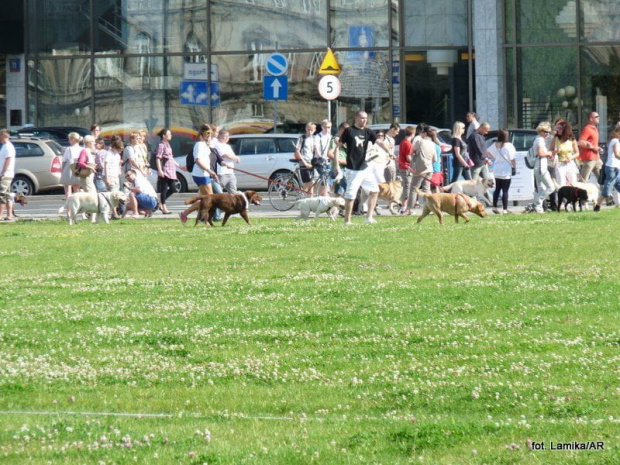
x: 16, y: 89
x: 489, y: 70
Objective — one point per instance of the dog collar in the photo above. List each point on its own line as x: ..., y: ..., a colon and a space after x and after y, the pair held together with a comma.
x: 247, y: 204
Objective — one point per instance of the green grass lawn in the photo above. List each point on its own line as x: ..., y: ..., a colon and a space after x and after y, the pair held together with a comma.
x: 311, y: 343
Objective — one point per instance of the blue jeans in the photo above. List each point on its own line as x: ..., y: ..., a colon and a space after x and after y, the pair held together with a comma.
x: 612, y: 179
x: 100, y: 185
x: 459, y: 170
x: 217, y: 189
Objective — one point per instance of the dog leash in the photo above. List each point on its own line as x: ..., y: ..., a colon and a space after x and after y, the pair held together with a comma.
x: 99, y: 202
x: 288, y: 186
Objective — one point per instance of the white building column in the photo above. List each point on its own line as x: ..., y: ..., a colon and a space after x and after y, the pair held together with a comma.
x: 489, y: 64
x: 16, y: 88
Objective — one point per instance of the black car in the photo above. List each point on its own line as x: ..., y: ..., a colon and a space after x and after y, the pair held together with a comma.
x: 60, y: 134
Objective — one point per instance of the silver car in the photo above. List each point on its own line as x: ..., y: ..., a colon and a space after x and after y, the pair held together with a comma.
x: 262, y: 156
x: 38, y: 165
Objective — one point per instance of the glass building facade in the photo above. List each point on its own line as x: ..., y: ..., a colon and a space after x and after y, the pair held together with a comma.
x: 127, y: 63
x: 124, y: 63
x: 562, y: 60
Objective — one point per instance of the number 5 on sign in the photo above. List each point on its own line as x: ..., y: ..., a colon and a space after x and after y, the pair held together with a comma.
x: 329, y: 87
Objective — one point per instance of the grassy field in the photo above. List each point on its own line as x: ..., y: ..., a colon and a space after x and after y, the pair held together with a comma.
x: 143, y: 341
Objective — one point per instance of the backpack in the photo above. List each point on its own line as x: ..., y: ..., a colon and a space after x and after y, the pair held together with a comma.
x: 189, y: 160
x: 530, y: 157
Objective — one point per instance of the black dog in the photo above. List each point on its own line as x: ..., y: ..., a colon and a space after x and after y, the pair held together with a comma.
x: 572, y: 195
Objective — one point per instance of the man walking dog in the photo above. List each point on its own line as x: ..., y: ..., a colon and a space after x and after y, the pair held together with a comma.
x: 356, y: 139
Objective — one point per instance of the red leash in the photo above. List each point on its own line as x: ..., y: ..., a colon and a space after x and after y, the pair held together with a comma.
x: 288, y: 186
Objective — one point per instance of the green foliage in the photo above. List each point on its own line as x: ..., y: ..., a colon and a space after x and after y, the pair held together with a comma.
x: 310, y: 343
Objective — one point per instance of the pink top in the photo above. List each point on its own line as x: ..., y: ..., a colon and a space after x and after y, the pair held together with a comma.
x: 164, y: 152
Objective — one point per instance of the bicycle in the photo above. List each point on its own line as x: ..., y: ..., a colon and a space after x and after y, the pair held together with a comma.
x: 285, y: 189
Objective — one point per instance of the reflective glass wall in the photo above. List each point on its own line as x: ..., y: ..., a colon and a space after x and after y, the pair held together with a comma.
x: 563, y: 60
x: 148, y: 64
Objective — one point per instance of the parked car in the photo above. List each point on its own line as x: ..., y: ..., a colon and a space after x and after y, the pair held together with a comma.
x: 263, y: 155
x: 522, y: 139
x: 59, y: 134
x: 38, y: 164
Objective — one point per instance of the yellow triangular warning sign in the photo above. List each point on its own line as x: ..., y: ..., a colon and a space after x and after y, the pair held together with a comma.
x: 330, y: 64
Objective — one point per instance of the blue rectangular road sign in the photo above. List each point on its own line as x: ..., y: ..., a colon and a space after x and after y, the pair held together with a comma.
x: 198, y: 93
x: 194, y: 93
x: 275, y: 87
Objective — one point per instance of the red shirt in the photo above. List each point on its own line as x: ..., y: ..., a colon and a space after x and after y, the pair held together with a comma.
x: 405, y: 149
x: 589, y: 133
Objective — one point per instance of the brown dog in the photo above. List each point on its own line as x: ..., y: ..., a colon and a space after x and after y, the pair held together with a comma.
x: 390, y: 191
x: 21, y: 199
x: 454, y: 204
x: 228, y: 203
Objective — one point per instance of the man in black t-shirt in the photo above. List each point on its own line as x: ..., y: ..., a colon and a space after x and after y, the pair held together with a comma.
x: 356, y: 140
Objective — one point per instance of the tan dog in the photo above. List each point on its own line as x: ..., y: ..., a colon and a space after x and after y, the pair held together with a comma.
x: 477, y: 188
x: 228, y: 203
x: 454, y: 204
x: 389, y: 191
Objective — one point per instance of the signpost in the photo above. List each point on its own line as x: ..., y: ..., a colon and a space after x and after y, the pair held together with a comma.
x: 329, y: 86
x: 275, y: 86
x: 200, y: 86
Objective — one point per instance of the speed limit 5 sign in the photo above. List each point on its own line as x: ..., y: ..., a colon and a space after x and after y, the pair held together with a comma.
x: 329, y: 87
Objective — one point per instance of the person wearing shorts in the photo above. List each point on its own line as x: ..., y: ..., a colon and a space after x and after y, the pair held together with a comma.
x: 201, y: 173
x: 358, y: 174
x: 142, y: 195
x: 7, y: 170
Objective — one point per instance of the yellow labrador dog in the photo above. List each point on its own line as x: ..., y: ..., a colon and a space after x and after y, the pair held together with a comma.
x: 102, y: 204
x: 389, y: 191
x: 453, y: 204
x: 318, y: 205
x: 477, y: 188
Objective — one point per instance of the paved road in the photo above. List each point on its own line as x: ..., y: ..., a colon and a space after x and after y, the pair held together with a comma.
x: 42, y: 207
x: 46, y: 207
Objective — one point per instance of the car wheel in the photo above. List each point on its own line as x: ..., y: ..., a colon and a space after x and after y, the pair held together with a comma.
x: 180, y: 185
x: 22, y: 185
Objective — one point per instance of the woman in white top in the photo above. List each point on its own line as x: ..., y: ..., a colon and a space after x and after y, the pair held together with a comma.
x: 113, y: 165
x: 503, y: 152
x: 70, y: 182
x: 544, y: 183
x: 612, y: 167
x: 201, y: 173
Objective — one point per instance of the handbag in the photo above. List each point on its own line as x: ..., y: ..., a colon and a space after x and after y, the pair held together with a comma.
x: 470, y: 163
x: 81, y: 173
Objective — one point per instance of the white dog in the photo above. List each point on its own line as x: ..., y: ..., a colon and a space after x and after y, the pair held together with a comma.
x: 85, y: 202
x: 318, y: 205
x: 477, y: 188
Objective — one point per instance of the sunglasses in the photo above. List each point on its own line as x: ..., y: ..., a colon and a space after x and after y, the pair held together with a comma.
x: 545, y: 132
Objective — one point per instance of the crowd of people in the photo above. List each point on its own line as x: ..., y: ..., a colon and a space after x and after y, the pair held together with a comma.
x: 356, y: 158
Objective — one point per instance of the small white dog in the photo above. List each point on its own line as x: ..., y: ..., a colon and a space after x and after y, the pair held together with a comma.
x: 318, y: 205
x: 477, y: 188
x: 102, y: 203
